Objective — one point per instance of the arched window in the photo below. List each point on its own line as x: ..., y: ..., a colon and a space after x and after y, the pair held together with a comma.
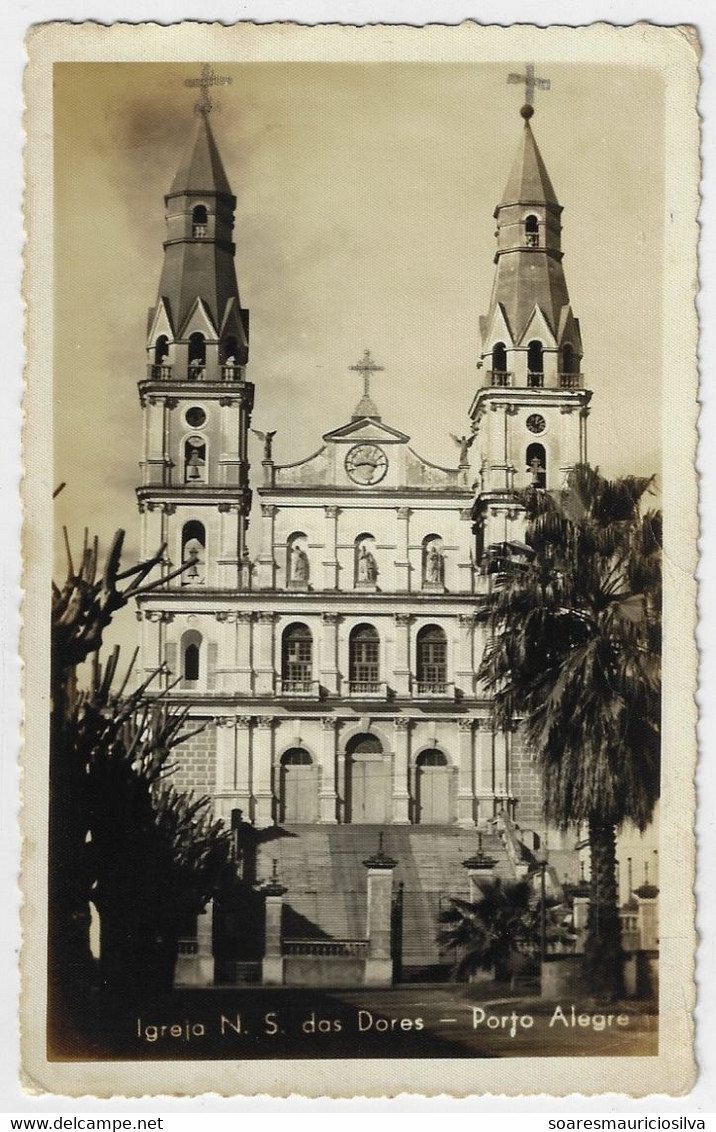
x: 161, y: 349
x: 365, y: 563
x: 193, y: 552
x: 199, y: 221
x: 499, y: 362
x: 194, y: 460
x: 364, y: 660
x: 432, y: 659
x: 531, y: 231
x: 191, y: 655
x: 431, y: 757
x: 297, y: 658
x: 535, y: 365
x: 433, y: 562
x: 197, y: 355
x: 537, y: 465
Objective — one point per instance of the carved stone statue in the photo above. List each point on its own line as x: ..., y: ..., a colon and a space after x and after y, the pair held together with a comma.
x: 463, y: 443
x: 434, y: 565
x: 267, y: 438
x: 299, y: 564
x: 367, y: 565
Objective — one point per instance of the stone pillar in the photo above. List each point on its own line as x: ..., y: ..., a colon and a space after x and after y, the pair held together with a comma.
x: 401, y: 668
x: 242, y: 658
x: 244, y: 786
x: 465, y: 780
x: 329, y: 653
x: 197, y: 969
x: 264, y: 654
x: 379, y: 961
x: 464, y: 667
x: 225, y: 756
x: 272, y: 965
x: 263, y: 760
x: 401, y: 764
x: 402, y: 557
x: 330, y: 561
x: 266, y: 564
x: 327, y: 800
x: 648, y: 916
x: 479, y: 868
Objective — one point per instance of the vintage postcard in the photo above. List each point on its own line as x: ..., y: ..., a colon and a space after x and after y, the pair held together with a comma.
x: 360, y: 496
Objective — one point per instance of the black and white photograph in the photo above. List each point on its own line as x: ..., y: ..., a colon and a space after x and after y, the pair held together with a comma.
x: 358, y: 381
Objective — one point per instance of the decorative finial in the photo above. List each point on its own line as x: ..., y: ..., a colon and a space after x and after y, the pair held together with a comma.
x: 208, y: 78
x: 366, y: 367
x: 532, y: 83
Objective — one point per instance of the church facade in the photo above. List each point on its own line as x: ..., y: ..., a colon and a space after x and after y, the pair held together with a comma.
x: 336, y: 670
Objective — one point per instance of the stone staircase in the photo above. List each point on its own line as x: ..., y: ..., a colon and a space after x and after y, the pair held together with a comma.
x: 322, y: 868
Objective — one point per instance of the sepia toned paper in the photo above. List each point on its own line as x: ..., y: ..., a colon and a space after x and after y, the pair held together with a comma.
x: 369, y: 167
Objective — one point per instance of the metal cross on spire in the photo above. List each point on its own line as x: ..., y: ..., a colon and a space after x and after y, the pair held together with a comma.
x: 366, y: 367
x: 208, y: 78
x: 532, y: 83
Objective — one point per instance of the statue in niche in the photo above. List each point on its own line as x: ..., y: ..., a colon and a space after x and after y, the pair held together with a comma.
x: 434, y: 565
x: 298, y: 565
x: 367, y: 565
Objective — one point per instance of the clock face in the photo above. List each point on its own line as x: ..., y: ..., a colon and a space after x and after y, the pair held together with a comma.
x: 536, y: 423
x: 366, y: 464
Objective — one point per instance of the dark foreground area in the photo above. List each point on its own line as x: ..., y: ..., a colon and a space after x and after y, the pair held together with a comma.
x: 428, y: 1020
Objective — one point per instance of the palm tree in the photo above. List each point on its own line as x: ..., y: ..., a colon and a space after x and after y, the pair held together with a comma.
x: 488, y: 934
x: 573, y: 653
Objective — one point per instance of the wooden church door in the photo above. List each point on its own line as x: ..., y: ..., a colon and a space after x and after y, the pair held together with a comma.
x: 299, y: 794
x: 434, y: 789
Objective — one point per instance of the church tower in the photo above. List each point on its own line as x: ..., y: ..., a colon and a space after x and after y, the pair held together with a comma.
x: 530, y: 413
x: 194, y: 495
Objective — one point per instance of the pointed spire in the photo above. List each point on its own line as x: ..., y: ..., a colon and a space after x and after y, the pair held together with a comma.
x: 529, y: 181
x: 201, y: 169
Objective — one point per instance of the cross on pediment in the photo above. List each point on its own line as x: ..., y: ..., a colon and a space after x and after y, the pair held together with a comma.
x: 531, y: 82
x: 366, y: 367
x: 207, y: 79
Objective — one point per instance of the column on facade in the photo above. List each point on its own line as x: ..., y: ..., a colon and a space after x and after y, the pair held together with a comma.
x: 484, y: 770
x: 401, y: 772
x: 402, y: 555
x: 330, y: 560
x: 465, y: 564
x: 243, y: 763
x: 227, y: 562
x: 263, y: 769
x: 465, y: 774
x: 242, y: 654
x: 327, y: 799
x: 329, y: 653
x: 156, y: 457
x: 230, y: 433
x: 401, y: 665
x: 225, y: 765
x: 266, y: 563
x: 264, y: 653
x: 464, y: 662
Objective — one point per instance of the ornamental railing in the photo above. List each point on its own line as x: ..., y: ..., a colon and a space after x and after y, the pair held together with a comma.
x: 325, y: 947
x: 571, y: 380
x: 159, y: 372
x: 367, y: 688
x: 299, y: 687
x: 188, y: 945
x: 535, y: 380
x: 499, y: 379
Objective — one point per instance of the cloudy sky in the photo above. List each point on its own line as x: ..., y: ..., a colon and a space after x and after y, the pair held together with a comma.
x: 364, y: 219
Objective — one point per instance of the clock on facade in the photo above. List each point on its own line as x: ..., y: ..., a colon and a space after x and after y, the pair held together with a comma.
x: 366, y: 464
x: 536, y: 423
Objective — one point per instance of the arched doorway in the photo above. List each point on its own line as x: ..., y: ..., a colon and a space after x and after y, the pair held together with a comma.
x: 298, y: 794
x: 368, y: 781
x: 433, y: 788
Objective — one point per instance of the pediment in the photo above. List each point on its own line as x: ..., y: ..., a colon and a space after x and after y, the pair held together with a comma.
x: 538, y: 327
x: 199, y: 321
x: 367, y: 428
x: 568, y: 330
x: 160, y: 323
x: 498, y: 330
